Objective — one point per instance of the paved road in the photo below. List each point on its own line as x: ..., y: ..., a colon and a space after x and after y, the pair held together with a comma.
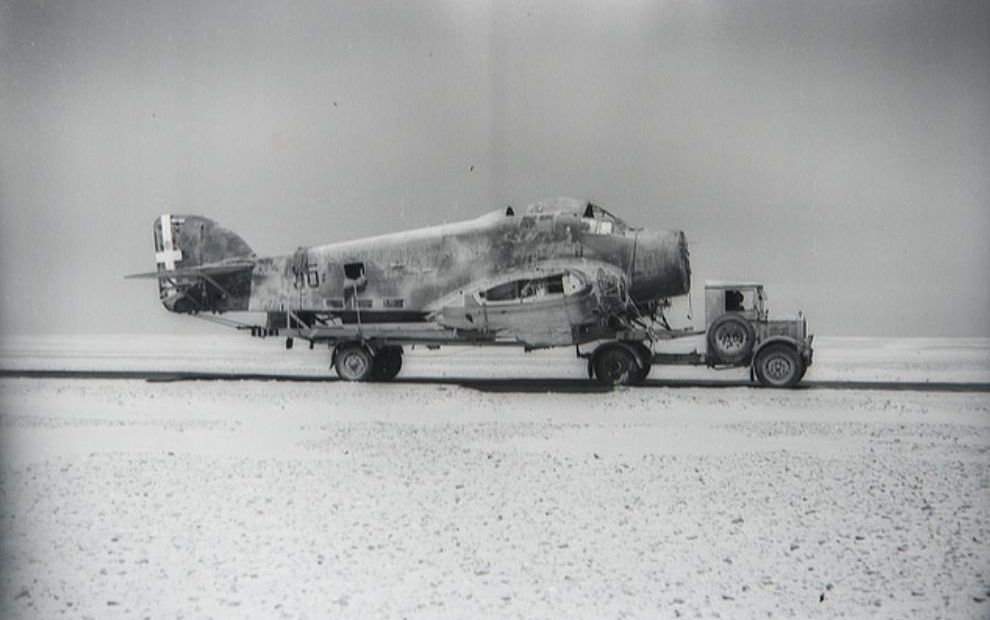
x: 494, y: 385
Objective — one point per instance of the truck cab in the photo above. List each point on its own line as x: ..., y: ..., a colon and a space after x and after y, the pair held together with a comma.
x: 740, y: 332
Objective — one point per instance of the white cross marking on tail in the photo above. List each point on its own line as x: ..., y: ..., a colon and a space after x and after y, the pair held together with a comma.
x: 169, y: 254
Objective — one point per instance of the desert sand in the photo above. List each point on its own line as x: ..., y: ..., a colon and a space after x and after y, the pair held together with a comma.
x: 431, y: 499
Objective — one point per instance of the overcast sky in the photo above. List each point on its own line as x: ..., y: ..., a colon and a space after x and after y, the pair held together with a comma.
x: 837, y: 151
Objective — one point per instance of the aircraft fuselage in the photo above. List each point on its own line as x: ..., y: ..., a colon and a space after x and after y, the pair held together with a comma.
x: 405, y: 274
x: 538, y: 277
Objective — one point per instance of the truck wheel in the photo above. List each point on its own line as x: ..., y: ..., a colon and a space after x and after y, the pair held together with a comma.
x: 731, y: 339
x: 387, y: 363
x: 353, y: 362
x: 778, y: 365
x: 615, y: 365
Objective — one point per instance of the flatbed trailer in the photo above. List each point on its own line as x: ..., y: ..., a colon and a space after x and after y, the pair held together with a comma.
x: 739, y: 333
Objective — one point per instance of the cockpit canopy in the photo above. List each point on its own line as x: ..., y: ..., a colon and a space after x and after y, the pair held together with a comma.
x: 564, y: 283
x: 601, y: 220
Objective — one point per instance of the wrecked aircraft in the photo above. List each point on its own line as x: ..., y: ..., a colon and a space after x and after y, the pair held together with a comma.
x: 560, y: 272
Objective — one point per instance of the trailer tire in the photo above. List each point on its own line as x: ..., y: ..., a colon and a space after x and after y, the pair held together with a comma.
x: 778, y: 365
x: 615, y: 365
x: 731, y: 339
x: 387, y: 363
x: 642, y: 371
x: 353, y: 362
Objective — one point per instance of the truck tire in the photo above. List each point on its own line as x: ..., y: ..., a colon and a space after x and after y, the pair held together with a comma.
x: 614, y: 365
x: 778, y: 365
x: 731, y: 339
x: 387, y: 363
x: 353, y: 362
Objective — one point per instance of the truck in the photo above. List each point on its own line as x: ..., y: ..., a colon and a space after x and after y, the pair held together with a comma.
x: 738, y: 333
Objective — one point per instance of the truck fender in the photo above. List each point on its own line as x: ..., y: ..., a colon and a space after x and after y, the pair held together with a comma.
x: 776, y: 339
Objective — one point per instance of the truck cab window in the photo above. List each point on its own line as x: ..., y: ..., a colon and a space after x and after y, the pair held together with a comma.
x: 734, y: 301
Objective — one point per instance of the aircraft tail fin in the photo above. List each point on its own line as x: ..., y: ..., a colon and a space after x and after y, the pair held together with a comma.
x: 201, y: 266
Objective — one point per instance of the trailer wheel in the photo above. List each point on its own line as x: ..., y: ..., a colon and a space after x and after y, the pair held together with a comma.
x: 778, y: 365
x: 615, y: 365
x: 387, y: 363
x: 642, y: 371
x: 353, y: 362
x: 731, y: 339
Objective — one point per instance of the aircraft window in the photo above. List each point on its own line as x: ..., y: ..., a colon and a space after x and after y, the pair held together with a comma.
x: 524, y: 289
x: 353, y: 271
x: 605, y: 222
x: 502, y: 292
x: 533, y: 288
x: 393, y: 302
x: 571, y: 284
x: 598, y: 227
x: 602, y: 214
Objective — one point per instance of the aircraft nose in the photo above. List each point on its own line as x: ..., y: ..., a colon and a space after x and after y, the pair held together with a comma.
x: 661, y: 267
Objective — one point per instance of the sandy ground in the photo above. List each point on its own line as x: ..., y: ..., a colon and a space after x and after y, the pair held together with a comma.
x: 256, y: 499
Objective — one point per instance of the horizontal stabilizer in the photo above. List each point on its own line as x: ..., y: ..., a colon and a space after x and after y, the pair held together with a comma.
x: 198, y: 271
